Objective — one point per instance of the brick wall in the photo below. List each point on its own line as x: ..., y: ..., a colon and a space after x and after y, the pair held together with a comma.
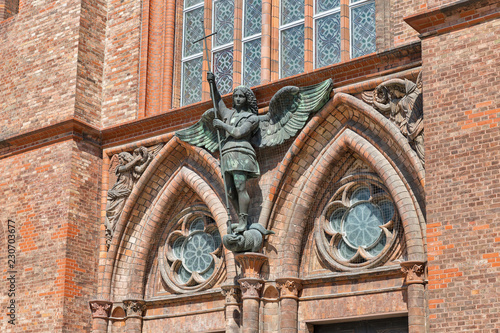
x: 462, y: 115
x: 52, y: 195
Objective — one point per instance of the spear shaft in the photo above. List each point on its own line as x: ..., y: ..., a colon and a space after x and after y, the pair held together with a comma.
x: 216, y: 108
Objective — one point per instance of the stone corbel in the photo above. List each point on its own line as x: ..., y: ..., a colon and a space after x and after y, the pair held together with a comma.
x: 100, y: 308
x: 251, y: 288
x: 414, y: 272
x: 134, y: 308
x: 289, y: 287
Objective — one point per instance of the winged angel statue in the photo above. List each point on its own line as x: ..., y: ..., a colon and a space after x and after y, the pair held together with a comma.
x: 242, y: 129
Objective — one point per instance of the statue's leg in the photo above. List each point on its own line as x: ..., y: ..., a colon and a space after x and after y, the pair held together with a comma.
x: 240, y: 180
x: 232, y: 195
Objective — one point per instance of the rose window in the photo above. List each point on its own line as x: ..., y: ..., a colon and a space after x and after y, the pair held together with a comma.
x: 193, y: 253
x: 359, y: 225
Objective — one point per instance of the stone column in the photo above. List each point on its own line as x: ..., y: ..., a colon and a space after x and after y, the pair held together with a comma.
x: 232, y: 293
x: 101, y: 311
x: 250, y: 289
x: 134, y: 310
x: 415, y: 280
x: 251, y: 285
x: 289, y: 303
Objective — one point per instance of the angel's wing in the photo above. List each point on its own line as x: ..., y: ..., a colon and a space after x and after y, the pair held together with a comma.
x: 289, y: 111
x: 202, y: 134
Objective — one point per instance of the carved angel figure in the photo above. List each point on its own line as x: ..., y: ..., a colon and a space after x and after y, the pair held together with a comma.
x: 243, y: 129
x: 401, y: 100
x: 130, y: 168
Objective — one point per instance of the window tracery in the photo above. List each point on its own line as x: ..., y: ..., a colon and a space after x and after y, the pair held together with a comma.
x: 191, y: 258
x: 359, y: 226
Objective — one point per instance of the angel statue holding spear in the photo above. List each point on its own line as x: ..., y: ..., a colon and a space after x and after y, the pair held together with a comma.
x: 237, y: 131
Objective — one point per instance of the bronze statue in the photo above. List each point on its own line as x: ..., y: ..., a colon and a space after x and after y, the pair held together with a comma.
x: 243, y: 129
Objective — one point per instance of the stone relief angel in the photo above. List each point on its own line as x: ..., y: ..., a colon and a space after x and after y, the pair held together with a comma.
x: 401, y: 101
x: 128, y: 171
x: 242, y: 130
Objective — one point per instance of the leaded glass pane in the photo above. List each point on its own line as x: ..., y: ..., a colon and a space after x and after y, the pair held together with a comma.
x: 209, y: 272
x: 361, y: 194
x: 345, y: 250
x: 355, y: 1
x: 253, y: 17
x: 193, y: 30
x: 197, y: 250
x: 197, y: 224
x: 363, y: 30
x: 183, y: 274
x: 224, y: 22
x: 328, y: 40
x: 379, y: 247
x: 192, y: 77
x: 189, y: 3
x: 223, y: 70
x: 387, y: 208
x: 291, y: 11
x: 336, y: 218
x: 324, y: 5
x: 217, y: 239
x: 361, y: 224
x: 177, y: 247
x: 251, y: 56
x: 292, y: 51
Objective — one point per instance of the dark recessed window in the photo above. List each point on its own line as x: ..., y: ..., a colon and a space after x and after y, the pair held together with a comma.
x: 386, y: 325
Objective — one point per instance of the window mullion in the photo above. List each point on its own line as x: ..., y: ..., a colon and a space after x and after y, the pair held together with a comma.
x: 345, y: 36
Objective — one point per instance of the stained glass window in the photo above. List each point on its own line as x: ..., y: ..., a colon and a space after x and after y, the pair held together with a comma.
x: 253, y: 17
x: 326, y: 5
x: 292, y: 51
x: 223, y: 70
x: 191, y: 70
x: 328, y: 40
x: 359, y: 224
x: 291, y: 11
x: 194, y: 251
x: 192, y: 53
x: 251, y: 58
x: 223, y: 22
x: 363, y: 29
x: 252, y: 29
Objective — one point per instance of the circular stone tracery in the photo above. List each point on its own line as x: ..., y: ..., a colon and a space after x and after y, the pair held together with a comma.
x: 360, y: 226
x: 193, y: 254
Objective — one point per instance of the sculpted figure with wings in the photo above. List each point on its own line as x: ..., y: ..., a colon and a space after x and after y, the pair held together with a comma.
x: 242, y: 129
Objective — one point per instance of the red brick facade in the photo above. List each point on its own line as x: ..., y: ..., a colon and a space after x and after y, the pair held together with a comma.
x: 82, y: 81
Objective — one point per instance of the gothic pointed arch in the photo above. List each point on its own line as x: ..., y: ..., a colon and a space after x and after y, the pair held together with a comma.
x: 179, y: 176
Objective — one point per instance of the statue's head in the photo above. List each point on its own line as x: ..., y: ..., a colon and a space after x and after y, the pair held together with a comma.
x: 125, y: 157
x: 251, y: 101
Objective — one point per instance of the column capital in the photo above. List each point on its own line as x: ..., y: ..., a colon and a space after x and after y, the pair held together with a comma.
x: 134, y: 308
x: 414, y: 271
x: 232, y: 293
x: 289, y: 287
x: 251, y: 264
x: 251, y: 288
x: 100, y: 308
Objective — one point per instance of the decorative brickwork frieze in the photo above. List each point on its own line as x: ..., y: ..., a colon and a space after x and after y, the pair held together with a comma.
x: 134, y: 308
x: 100, y: 308
x: 414, y: 271
x: 289, y: 287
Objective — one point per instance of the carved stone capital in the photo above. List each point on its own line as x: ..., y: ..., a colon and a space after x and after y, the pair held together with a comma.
x: 134, y: 308
x: 289, y: 287
x: 232, y: 294
x: 251, y: 264
x: 414, y: 271
x: 250, y: 288
x: 100, y: 308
